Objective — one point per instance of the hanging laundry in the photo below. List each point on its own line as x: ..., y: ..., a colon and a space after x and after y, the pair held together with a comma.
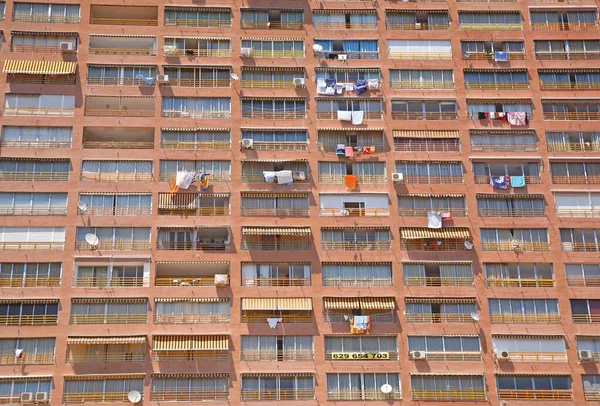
x: 446, y: 216
x: 499, y: 182
x: 349, y: 87
x: 344, y: 213
x: 329, y: 91
x: 184, y: 179
x: 273, y: 321
x: 204, y: 181
x: 321, y: 86
x: 373, y: 83
x: 339, y: 88
x: 492, y: 115
x: 149, y: 81
x: 465, y: 54
x: 269, y: 176
x: 357, y: 117
x: 284, y: 177
x: 517, y: 118
x: 19, y: 354
x: 481, y: 115
x: 349, y: 152
x: 360, y: 324
x: 330, y: 82
x: 517, y: 181
x: 351, y: 182
x: 501, y: 116
x: 340, y: 150
x: 344, y: 115
x: 368, y: 150
x: 501, y: 56
x: 360, y: 86
x: 434, y: 219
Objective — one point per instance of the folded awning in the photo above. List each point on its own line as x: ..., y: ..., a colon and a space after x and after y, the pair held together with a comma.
x: 440, y: 300
x: 188, y: 376
x: 191, y: 299
x: 277, y: 303
x: 301, y: 231
x: 39, y: 67
x: 450, y: 232
x: 425, y: 134
x: 190, y: 342
x: 103, y: 377
x: 106, y: 340
x: 509, y: 196
x: 271, y: 195
x: 28, y: 301
x: 365, y: 303
x: 98, y: 300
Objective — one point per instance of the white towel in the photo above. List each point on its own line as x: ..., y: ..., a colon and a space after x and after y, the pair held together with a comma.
x: 357, y: 117
x: 184, y: 179
x: 434, y: 219
x: 339, y: 88
x: 373, y: 84
x: 349, y: 87
x: 273, y: 321
x: 329, y: 90
x: 344, y: 115
x: 284, y: 177
x: 269, y: 176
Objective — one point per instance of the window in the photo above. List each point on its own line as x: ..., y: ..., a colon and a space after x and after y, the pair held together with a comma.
x: 272, y: 18
x: 203, y: 76
x: 116, y: 204
x: 365, y: 274
x: 524, y: 387
x: 419, y: 49
x: 191, y: 311
x: 450, y: 387
x: 34, y: 170
x: 109, y: 311
x: 114, y: 75
x: 197, y: 17
x: 46, y: 13
x: 274, y: 204
x: 420, y: 20
x: 32, y: 238
x: 378, y: 348
x: 277, y: 348
x: 430, y: 172
x: 36, y: 351
x: 115, y: 238
x: 477, y: 109
x: 33, y: 204
x: 327, y: 109
x: 520, y: 274
x: 362, y: 386
x: 496, y: 205
x: 30, y: 274
x: 277, y: 386
x: 273, y: 48
x: 483, y: 171
x: 189, y: 387
x: 563, y: 20
x: 114, y: 274
x: 496, y: 80
x: 421, y: 79
x: 530, y: 348
x: 437, y: 274
x: 12, y: 388
x: 42, y: 42
x: 102, y: 388
x: 580, y: 275
x: 275, y: 274
x: 179, y: 138
x: 344, y: 19
x: 573, y: 141
x: 191, y: 47
x: 352, y: 48
x: 566, y: 110
x: 589, y: 343
x: 116, y: 171
x: 420, y: 205
x: 544, y: 311
x: 274, y: 109
x: 196, y: 107
x: 515, y: 239
x: 482, y: 20
x: 23, y: 312
x: 499, y: 140
x: 446, y: 348
x: 575, y: 173
x: 585, y: 310
x: 424, y: 109
x: 36, y: 137
x: 580, y: 239
x: 272, y: 139
x: 440, y: 310
x: 39, y: 105
x: 276, y: 78
x: 218, y: 171
x: 426, y: 140
x: 356, y: 239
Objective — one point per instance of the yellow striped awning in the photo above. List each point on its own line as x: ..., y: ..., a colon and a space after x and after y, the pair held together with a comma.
x: 300, y: 231
x: 529, y: 337
x: 190, y: 342
x: 274, y: 374
x: 349, y: 130
x: 28, y: 301
x: 365, y: 303
x: 347, y: 70
x: 507, y: 196
x: 425, y: 134
x: 427, y: 195
x: 198, y: 8
x: 423, y: 232
x: 277, y: 303
x: 274, y: 194
x: 441, y: 300
x: 98, y: 300
x: 499, y: 101
x: 501, y: 132
x: 39, y: 67
x: 103, y: 377
x: 107, y: 340
x: 200, y: 375
x: 191, y: 299
x: 273, y: 69
x: 193, y: 129
x: 344, y: 11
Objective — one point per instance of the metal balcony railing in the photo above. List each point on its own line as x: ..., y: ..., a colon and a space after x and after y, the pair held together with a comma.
x: 118, y: 211
x: 196, y: 23
x: 591, y: 396
x: 266, y: 53
x: 504, y: 147
x: 448, y: 394
x: 422, y: 85
x: 188, y: 395
x: 13, y: 176
x: 569, y: 85
x: 33, y: 211
x: 564, y: 26
x: 561, y: 55
x: 522, y: 318
x: 427, y: 245
x: 116, y: 282
x: 537, y: 356
x: 349, y: 55
x: 485, y: 179
x: 95, y: 397
x: 451, y: 355
x: 356, y: 245
x: 573, y: 146
x: 193, y: 246
x: 251, y: 317
x: 176, y: 281
x: 108, y: 318
x: 519, y: 283
x: 414, y: 145
x: 29, y: 282
x: 510, y: 212
x: 330, y: 146
x: 38, y: 49
x: 196, y: 211
x: 191, y: 318
x: 586, y: 318
x: 393, y: 355
x: 104, y: 357
x: 32, y: 246
x: 418, y: 179
x: 45, y: 18
x: 122, y: 51
x: 123, y: 21
x: 516, y: 394
x: 281, y: 394
x: 273, y: 25
x: 280, y: 146
x: 274, y: 115
x: 354, y: 212
x: 118, y: 145
x: 250, y: 245
x: 490, y: 27
x: 196, y: 82
x: 572, y: 115
x: 454, y: 212
x: 185, y: 355
x: 198, y: 53
x: 512, y: 246
x: 419, y: 56
x: 196, y: 145
x: 268, y: 84
x: 496, y: 85
x: 332, y: 115
x: 583, y: 282
x: 437, y: 281
x: 38, y: 358
x: 117, y: 176
x: 416, y: 26
x: 118, y: 113
x: 35, y: 144
x: 365, y: 394
x: 118, y: 245
x: 424, y: 115
x: 275, y: 281
x: 267, y: 212
x: 387, y: 316
x: 214, y: 177
x: 280, y: 355
x: 349, y: 282
x: 196, y: 114
x: 339, y: 179
x: 260, y: 178
x: 28, y: 319
x: 576, y: 180
x: 122, y: 81
x: 40, y: 79
x: 46, y: 112
x: 344, y: 26
x: 488, y: 56
x: 439, y: 318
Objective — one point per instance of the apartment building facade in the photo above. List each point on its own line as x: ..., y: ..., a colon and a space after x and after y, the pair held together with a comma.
x: 391, y: 202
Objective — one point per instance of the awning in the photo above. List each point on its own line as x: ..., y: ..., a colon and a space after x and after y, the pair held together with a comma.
x: 507, y: 196
x: 529, y: 337
x: 431, y: 162
x: 447, y: 374
x: 97, y: 300
x: 499, y: 101
x: 186, y: 376
x: 441, y: 300
x: 422, y: 232
x: 194, y: 129
x: 198, y: 8
x: 274, y: 161
x: 28, y: 301
x: 299, y: 69
x: 411, y: 11
x: 332, y: 69
x: 191, y: 299
x: 272, y: 39
x: 277, y: 303
x: 350, y: 130
x: 427, y: 195
x: 106, y: 340
x: 275, y: 98
x: 280, y: 374
x: 103, y: 377
x: 500, y: 132
x: 39, y: 67
x: 371, y: 228
x: 344, y: 11
x: 265, y: 195
x: 425, y: 134
x: 571, y: 101
x: 190, y: 342
x: 365, y: 303
x: 46, y: 33
x: 298, y: 231
x: 513, y: 70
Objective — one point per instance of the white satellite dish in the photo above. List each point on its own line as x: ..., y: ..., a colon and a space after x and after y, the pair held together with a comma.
x: 234, y: 76
x: 474, y: 316
x: 134, y: 396
x: 468, y: 245
x: 386, y: 388
x: 82, y: 206
x: 92, y: 240
x: 317, y: 47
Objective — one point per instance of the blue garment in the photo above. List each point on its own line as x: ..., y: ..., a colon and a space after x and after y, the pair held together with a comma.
x: 498, y: 182
x: 149, y: 81
x: 360, y: 86
x: 330, y: 82
x: 340, y: 150
x: 517, y: 181
x: 501, y: 56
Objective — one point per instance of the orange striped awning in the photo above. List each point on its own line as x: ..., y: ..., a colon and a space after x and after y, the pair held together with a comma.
x: 106, y: 340
x: 277, y: 303
x: 422, y: 232
x: 425, y: 134
x: 302, y: 231
x: 190, y: 342
x: 39, y: 67
x: 365, y: 303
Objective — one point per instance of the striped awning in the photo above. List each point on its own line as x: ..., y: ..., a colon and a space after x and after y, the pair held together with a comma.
x: 579, y: 70
x: 571, y: 101
x: 299, y: 69
x: 46, y: 33
x: 303, y: 231
x: 441, y: 300
x: 532, y: 375
x: 501, y: 132
x: 487, y: 11
x: 425, y: 134
x: 98, y: 300
x: 277, y: 303
x: 274, y: 98
x: 39, y: 67
x: 198, y: 8
x: 364, y: 303
x: 422, y: 99
x: 103, y: 377
x: 529, y: 337
x: 344, y: 70
x: 431, y: 162
x: 507, y: 196
x: 216, y: 67
x: 272, y: 39
x: 505, y: 70
x: 26, y: 378
x: 423, y: 232
x: 447, y: 374
x: 190, y: 342
x: 280, y: 374
x: 274, y: 161
x: 192, y: 129
x: 370, y: 228
x: 274, y: 194
x: 350, y: 130
x: 30, y: 159
x: 499, y: 101
x: 436, y: 11
x: 197, y: 37
x: 28, y: 301
x: 191, y: 299
x: 187, y: 376
x: 427, y: 195
x: 438, y: 262
x: 344, y: 11
x: 106, y: 340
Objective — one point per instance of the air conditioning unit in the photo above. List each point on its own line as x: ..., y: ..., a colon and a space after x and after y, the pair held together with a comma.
x: 299, y: 82
x: 417, y: 26
x: 342, y: 57
x: 246, y: 52
x: 585, y: 355
x: 397, y: 177
x: 27, y: 398
x: 418, y: 354
x: 66, y: 46
x: 221, y: 280
x: 247, y: 143
x: 41, y: 397
x: 162, y: 78
x: 298, y: 176
x: 502, y: 354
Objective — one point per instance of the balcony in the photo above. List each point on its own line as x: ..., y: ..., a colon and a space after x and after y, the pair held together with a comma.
x: 105, y: 350
x: 199, y: 238
x: 289, y: 310
x: 487, y: 179
x: 108, y: 318
x: 203, y: 139
x: 509, y: 394
x: 118, y: 138
x: 275, y: 54
x: 193, y: 204
x: 565, y: 26
x: 95, y: 397
x: 334, y: 114
x: 365, y: 394
x: 430, y: 274
x: 18, y: 104
x: 188, y: 395
x: 173, y: 51
x: 330, y: 139
x: 274, y: 78
x: 116, y: 245
x: 426, y: 141
x: 282, y: 355
x: 276, y: 238
x: 275, y: 274
x: 122, y: 45
x: 74, y: 385
x: 29, y: 282
x: 345, y: 55
x: 119, y: 106
x: 205, y: 76
x: 512, y: 245
x: 525, y: 318
x: 426, y: 20
x: 181, y: 348
x: 294, y: 204
x: 197, y: 17
x: 519, y: 283
x: 456, y: 395
x: 272, y: 19
x: 123, y: 15
x: 424, y: 109
x: 425, y: 239
x: 275, y: 395
x: 29, y: 320
x: 419, y: 56
x: 490, y: 56
x: 519, y: 356
x: 450, y: 356
x: 192, y: 274
x: 265, y: 171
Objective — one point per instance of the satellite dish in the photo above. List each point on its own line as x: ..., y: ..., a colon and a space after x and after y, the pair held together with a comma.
x: 92, y: 240
x: 317, y: 47
x: 503, y: 403
x: 234, y: 76
x: 468, y: 245
x: 82, y: 206
x: 134, y: 396
x: 386, y: 388
x: 474, y: 316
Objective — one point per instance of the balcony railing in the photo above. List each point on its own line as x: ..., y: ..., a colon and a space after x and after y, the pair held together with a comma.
x: 392, y: 355
x: 280, y: 146
x: 344, y: 26
x: 583, y: 282
x: 356, y: 245
x: 28, y: 319
x: 273, y: 25
x: 32, y: 246
x: 586, y: 318
x: 576, y: 180
x: 33, y: 211
x: 416, y: 26
x: 118, y: 211
x: 496, y: 86
x: 275, y: 281
x: 118, y: 145
x: 348, y: 282
x: 260, y: 178
x: 354, y: 212
x: 580, y: 246
x: 349, y: 55
x: 117, y: 176
x: 519, y: 283
x: 35, y: 144
x: 108, y: 318
x: 573, y: 147
x: 116, y: 282
x: 419, y: 56
x: 188, y: 395
x: 451, y: 355
x: 427, y: 245
x: 537, y: 356
x: 485, y: 179
x: 104, y: 357
x: 326, y: 145
x: 122, y: 51
x: 198, y: 145
x: 10, y: 176
x: 439, y: 318
x: 256, y: 53
x: 184, y: 281
x: 47, y: 112
x: 38, y: 49
x: 118, y: 113
x: 561, y: 56
x: 191, y: 318
x: 572, y: 115
x: 388, y: 316
x: 282, y: 394
x: 489, y: 56
x: 268, y: 84
x: 38, y: 358
x: 95, y: 397
x: 280, y: 355
x: 29, y: 282
x: 199, y: 82
x: 35, y: 79
x: 45, y: 18
x: 569, y: 86
x: 193, y: 246
x: 510, y: 212
x: 123, y: 21
x: 274, y: 115
x: 108, y: 81
x: 516, y: 394
x: 564, y: 26
x: 454, y: 212
x: 422, y: 85
x: 437, y: 281
x: 214, y: 177
x: 267, y: 212
x: 366, y: 394
x: 339, y: 179
x: 199, y: 53
x: 332, y: 115
x: 196, y: 23
x: 504, y: 147
x: 521, y: 318
x: 424, y: 115
x: 120, y: 245
x: 186, y: 355
x: 591, y: 396
x: 250, y: 317
x: 490, y: 27
x: 512, y: 246
x: 196, y: 114
x: 433, y: 179
x: 448, y: 394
